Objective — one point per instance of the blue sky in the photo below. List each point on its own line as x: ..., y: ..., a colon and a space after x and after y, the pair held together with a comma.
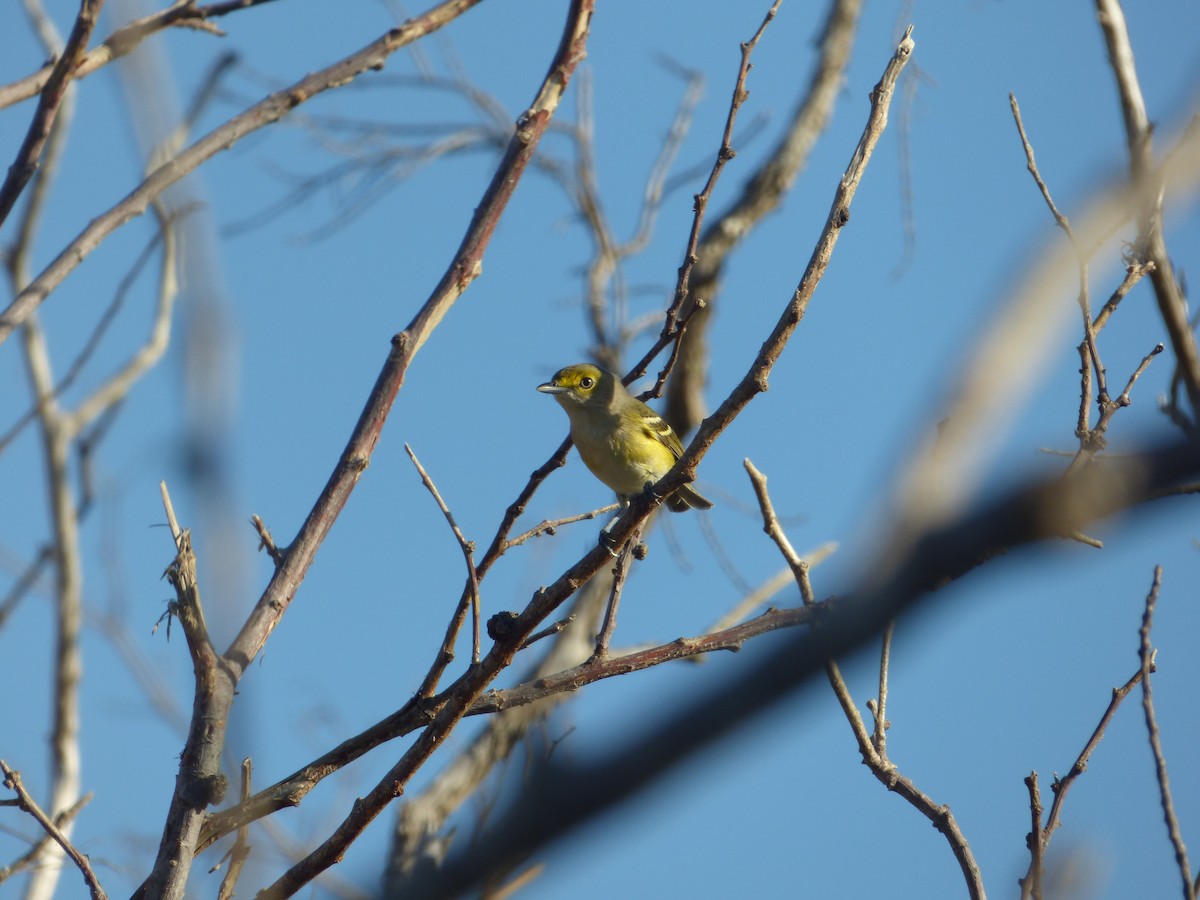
x: 1006, y: 672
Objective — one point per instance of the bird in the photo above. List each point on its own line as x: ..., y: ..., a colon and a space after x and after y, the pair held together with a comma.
x: 624, y: 443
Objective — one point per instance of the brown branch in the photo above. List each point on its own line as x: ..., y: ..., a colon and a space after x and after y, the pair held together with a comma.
x: 182, y: 837
x: 200, y: 782
x: 633, y: 548
x: 730, y: 639
x: 52, y: 95
x: 755, y: 380
x: 1031, y: 164
x: 12, y: 780
x: 1090, y: 439
x: 1134, y: 272
x: 1147, y: 654
x: 291, y: 791
x: 266, y: 112
x: 419, y: 838
x: 558, y: 797
x: 724, y: 153
x: 551, y: 631
x: 551, y: 526
x: 463, y: 270
x: 1031, y: 884
x: 30, y: 858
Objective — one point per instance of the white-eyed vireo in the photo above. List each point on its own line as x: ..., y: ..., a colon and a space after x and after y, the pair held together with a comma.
x: 624, y: 442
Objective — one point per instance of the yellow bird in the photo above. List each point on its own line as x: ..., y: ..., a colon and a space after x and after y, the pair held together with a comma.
x: 624, y: 443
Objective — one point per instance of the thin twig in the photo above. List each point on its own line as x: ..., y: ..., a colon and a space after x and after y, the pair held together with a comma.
x: 52, y: 94
x: 12, y: 780
x: 620, y: 573
x: 1147, y: 655
x: 1031, y: 884
x: 551, y: 526
x: 1151, y: 242
x: 169, y: 507
x: 266, y: 541
x: 554, y: 629
x: 1062, y: 786
x: 724, y: 153
x: 880, y: 711
x: 1031, y: 164
x: 467, y: 548
x: 31, y: 857
x: 873, y: 751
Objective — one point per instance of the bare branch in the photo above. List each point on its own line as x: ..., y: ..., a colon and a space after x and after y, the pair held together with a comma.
x: 125, y: 39
x: 873, y: 750
x: 12, y: 780
x: 1147, y: 654
x: 633, y: 548
x: 1039, y: 837
x: 467, y: 547
x: 1152, y: 244
x: 51, y: 99
x: 762, y: 194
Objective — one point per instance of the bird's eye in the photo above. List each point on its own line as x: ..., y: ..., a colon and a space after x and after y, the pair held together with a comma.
x: 586, y: 382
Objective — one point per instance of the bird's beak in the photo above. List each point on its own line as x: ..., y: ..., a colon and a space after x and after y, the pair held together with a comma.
x: 551, y: 388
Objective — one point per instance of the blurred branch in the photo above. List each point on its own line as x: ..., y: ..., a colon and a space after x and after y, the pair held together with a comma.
x: 240, y: 851
x: 942, y: 475
x: 610, y: 333
x: 416, y: 839
x: 266, y: 112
